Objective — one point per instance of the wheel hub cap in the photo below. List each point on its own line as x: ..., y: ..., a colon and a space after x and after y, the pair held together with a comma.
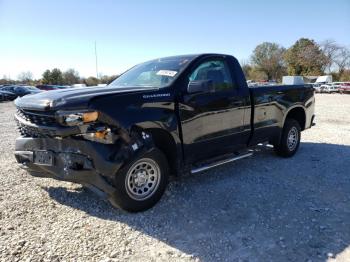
x: 292, y: 140
x: 142, y: 179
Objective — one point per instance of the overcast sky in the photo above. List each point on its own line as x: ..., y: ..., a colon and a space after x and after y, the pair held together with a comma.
x: 37, y: 35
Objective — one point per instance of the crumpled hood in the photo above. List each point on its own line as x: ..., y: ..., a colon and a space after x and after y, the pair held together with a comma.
x: 71, y: 97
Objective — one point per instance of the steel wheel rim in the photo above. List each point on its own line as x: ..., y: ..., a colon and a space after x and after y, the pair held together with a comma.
x: 292, y: 139
x: 142, y: 179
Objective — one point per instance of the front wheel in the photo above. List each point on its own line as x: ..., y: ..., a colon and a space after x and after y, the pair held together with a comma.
x: 141, y: 184
x: 290, y: 139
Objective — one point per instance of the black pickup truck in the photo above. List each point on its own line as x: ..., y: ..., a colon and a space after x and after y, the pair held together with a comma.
x: 169, y: 116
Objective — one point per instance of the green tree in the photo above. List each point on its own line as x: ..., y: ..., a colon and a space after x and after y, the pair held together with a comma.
x: 269, y: 59
x: 56, y: 77
x: 91, y: 81
x: 305, y: 57
x: 53, y: 77
x: 46, y: 77
x: 108, y: 79
x: 257, y: 75
x: 70, y: 77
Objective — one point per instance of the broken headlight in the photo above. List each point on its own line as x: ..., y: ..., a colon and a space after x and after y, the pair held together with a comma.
x: 77, y: 118
x: 101, y: 135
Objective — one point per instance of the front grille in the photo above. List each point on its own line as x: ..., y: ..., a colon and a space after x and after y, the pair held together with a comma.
x: 38, y: 118
x: 29, y: 131
x: 42, y: 119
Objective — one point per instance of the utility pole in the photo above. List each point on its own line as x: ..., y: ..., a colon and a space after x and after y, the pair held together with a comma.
x: 96, y: 60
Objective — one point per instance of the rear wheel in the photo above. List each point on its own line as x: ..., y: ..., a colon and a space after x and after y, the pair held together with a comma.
x: 290, y: 139
x: 140, y: 184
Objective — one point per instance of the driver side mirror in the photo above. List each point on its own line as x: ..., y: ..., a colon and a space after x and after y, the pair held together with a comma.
x: 200, y: 86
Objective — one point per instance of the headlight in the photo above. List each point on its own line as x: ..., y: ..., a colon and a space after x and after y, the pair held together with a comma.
x: 104, y: 135
x: 77, y: 118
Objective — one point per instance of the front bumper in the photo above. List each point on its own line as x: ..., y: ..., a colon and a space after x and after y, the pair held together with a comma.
x: 88, y: 163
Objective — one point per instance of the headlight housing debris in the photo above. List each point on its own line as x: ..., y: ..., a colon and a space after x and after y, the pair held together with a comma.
x: 77, y: 118
x: 101, y: 135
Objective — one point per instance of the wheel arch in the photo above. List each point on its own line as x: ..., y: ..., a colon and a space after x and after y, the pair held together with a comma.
x: 297, y: 113
x: 165, y: 142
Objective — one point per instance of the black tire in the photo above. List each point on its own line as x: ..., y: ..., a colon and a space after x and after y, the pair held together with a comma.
x: 127, y: 178
x: 286, y: 148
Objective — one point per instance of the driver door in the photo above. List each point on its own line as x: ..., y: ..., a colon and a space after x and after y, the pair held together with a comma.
x: 212, y: 122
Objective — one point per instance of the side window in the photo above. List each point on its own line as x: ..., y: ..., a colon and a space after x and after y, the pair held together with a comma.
x: 215, y: 70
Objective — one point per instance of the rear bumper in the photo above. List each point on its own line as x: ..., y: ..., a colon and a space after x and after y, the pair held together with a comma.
x: 76, y: 161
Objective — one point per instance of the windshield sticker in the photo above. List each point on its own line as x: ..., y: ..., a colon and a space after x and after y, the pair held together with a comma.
x: 166, y: 73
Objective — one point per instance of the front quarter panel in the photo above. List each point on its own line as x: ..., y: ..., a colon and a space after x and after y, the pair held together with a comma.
x: 140, y: 111
x: 146, y: 109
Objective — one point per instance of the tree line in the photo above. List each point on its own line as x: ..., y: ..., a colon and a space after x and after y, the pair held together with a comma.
x: 269, y: 61
x: 305, y: 57
x: 57, y: 77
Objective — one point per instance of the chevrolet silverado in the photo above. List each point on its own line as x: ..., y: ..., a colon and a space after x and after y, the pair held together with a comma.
x: 169, y: 116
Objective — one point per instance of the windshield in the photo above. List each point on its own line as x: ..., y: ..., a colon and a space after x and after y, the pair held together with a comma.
x: 156, y: 73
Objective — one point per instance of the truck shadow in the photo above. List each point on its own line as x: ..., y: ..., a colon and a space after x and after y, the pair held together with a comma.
x: 263, y: 207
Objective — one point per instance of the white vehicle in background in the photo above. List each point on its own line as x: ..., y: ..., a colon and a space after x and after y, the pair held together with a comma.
x: 329, y: 89
x: 337, y: 85
x: 317, y: 87
x: 78, y: 85
x: 324, y: 80
x: 251, y: 83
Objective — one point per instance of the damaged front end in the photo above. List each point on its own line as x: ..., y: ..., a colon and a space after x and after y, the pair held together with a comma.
x: 76, y: 146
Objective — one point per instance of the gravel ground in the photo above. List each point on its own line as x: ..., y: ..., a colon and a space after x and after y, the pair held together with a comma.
x: 263, y: 208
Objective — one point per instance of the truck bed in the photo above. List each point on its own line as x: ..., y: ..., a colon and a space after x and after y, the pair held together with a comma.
x: 270, y: 105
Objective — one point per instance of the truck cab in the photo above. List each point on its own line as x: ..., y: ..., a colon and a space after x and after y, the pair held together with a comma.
x: 168, y: 116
